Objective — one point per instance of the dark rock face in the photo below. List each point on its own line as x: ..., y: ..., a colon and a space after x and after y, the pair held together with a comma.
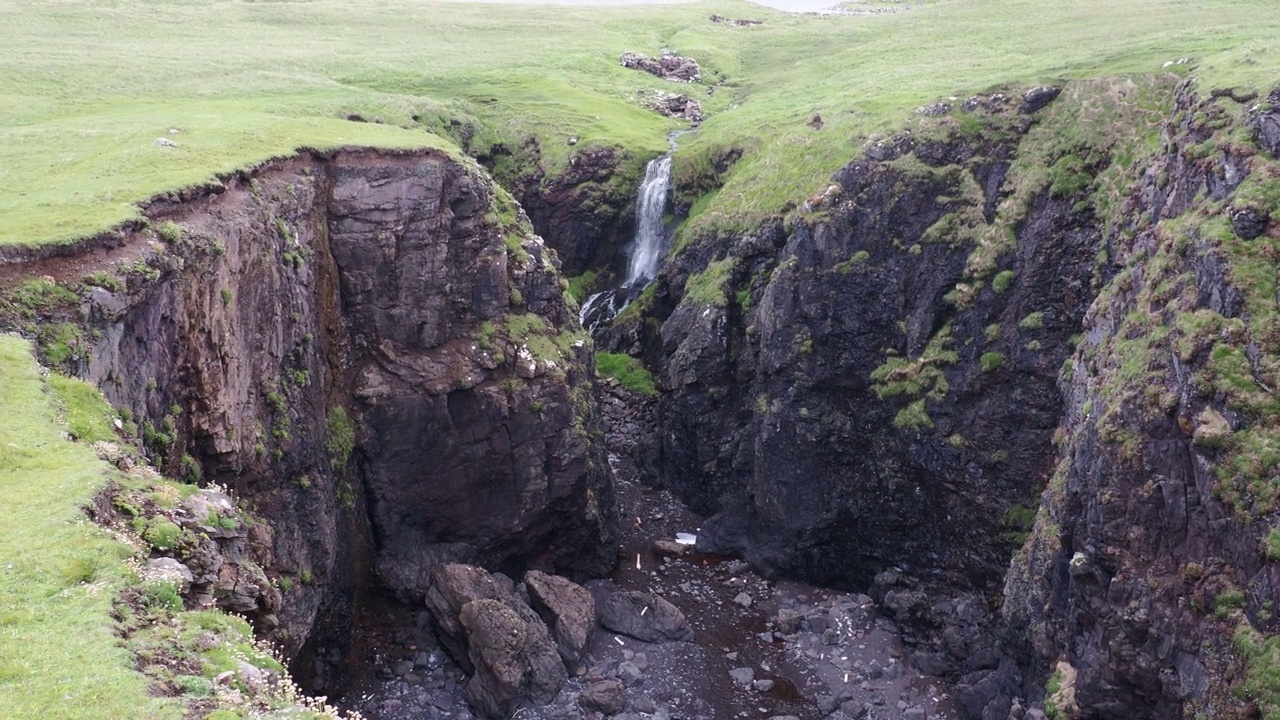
x: 850, y: 406
x: 772, y: 422
x: 357, y: 347
x: 585, y: 213
x: 644, y: 616
x: 1142, y: 529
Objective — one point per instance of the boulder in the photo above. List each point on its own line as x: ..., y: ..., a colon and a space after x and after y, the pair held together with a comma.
x: 567, y: 608
x: 644, y: 616
x: 1249, y: 222
x: 513, y: 659
x: 455, y: 585
x: 1037, y: 98
x: 605, y: 695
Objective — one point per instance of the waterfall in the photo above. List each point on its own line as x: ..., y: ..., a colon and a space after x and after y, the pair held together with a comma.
x: 646, y: 249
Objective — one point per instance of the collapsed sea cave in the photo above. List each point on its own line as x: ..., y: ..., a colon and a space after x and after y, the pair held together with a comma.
x: 925, y: 476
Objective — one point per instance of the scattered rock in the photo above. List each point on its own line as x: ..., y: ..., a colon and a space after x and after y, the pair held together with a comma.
x: 629, y: 672
x: 736, y: 22
x: 742, y: 599
x: 762, y: 685
x: 605, y: 695
x: 742, y: 675
x: 668, y: 66
x: 937, y: 109
x: 165, y: 142
x: 644, y: 616
x: 680, y: 107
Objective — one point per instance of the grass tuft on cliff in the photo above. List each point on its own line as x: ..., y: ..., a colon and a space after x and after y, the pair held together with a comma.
x: 94, y: 92
x: 628, y: 371
x: 59, y: 574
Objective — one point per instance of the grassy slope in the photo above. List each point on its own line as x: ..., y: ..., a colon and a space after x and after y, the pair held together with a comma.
x: 58, y: 572
x: 85, y: 87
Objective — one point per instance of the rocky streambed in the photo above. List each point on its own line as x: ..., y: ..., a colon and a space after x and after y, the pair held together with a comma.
x: 673, y: 633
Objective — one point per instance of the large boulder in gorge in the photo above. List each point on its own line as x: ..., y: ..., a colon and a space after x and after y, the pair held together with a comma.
x: 644, y: 616
x: 513, y: 659
x: 567, y: 608
x: 455, y: 585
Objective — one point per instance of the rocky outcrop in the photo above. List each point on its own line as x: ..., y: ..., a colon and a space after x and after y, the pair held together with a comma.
x: 374, y: 351
x: 513, y: 659
x: 680, y: 107
x: 505, y: 644
x: 879, y: 397
x: 847, y: 395
x: 1149, y: 576
x: 667, y: 66
x: 586, y: 213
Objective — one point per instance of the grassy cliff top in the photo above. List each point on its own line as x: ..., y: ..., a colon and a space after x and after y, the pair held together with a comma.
x: 59, y: 655
x: 87, y: 87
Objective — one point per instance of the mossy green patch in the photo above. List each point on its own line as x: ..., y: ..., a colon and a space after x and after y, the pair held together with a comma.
x: 628, y: 371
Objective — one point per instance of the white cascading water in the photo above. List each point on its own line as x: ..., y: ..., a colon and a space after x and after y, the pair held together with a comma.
x: 646, y: 248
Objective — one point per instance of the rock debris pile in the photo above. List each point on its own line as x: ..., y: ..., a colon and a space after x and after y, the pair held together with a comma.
x: 667, y: 66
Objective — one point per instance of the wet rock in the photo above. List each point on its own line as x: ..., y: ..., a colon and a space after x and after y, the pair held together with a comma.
x: 513, y: 658
x: 567, y: 608
x: 670, y: 548
x: 644, y: 616
x: 605, y: 695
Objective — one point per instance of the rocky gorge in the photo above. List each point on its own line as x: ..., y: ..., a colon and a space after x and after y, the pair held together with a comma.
x: 982, y: 430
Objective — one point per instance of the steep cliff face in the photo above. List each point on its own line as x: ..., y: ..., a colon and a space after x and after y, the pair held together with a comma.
x: 374, y: 350
x: 585, y: 213
x: 865, y: 389
x: 1151, y: 568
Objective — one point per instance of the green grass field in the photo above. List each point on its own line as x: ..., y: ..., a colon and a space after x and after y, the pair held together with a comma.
x: 59, y: 657
x: 86, y: 87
